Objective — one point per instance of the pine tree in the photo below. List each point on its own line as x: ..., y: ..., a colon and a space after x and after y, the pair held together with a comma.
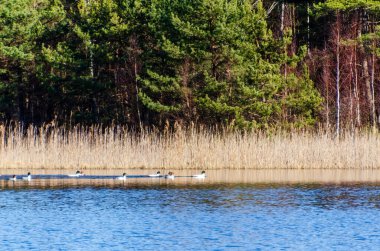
x: 221, y: 55
x: 24, y: 24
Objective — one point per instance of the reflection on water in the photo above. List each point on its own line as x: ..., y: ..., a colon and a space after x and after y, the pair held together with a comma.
x: 211, y: 217
x: 229, y: 209
x: 106, y: 178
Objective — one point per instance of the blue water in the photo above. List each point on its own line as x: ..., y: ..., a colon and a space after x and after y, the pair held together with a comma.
x: 209, y: 217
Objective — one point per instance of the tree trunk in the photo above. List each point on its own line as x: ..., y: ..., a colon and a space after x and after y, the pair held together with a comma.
x: 352, y: 95
x: 282, y: 18
x: 308, y: 29
x: 373, y: 110
x: 137, y: 93
x: 338, y: 76
x: 373, y: 61
x: 326, y: 81
x: 20, y: 97
x: 356, y: 89
x: 366, y: 75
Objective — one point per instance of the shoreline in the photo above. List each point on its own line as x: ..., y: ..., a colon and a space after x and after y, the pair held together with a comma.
x: 115, y: 169
x: 226, y: 176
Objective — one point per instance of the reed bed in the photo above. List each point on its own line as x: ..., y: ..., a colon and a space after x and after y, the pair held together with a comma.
x: 117, y: 148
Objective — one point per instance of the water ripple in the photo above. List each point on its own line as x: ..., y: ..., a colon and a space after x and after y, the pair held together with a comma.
x: 211, y: 218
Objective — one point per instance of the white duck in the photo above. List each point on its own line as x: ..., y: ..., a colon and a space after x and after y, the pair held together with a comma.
x: 14, y: 178
x: 124, y: 177
x: 29, y: 177
x: 158, y: 174
x: 200, y: 176
x: 77, y: 174
x: 170, y: 175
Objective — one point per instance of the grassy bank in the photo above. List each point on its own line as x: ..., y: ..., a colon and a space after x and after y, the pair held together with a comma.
x: 190, y: 149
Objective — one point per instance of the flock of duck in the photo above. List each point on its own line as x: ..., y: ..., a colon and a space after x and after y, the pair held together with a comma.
x: 77, y: 174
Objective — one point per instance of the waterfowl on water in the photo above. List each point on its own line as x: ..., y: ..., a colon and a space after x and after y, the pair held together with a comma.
x: 77, y: 174
x: 14, y: 178
x: 200, y: 176
x: 158, y: 174
x: 29, y: 177
x: 124, y: 177
x: 170, y: 175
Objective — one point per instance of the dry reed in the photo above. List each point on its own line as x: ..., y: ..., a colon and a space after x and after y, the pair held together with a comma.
x: 115, y: 148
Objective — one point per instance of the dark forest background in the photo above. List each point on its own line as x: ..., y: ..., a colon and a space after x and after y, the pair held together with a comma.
x: 235, y: 63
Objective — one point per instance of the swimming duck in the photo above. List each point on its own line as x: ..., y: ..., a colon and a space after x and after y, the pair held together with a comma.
x: 124, y: 177
x: 77, y: 174
x: 200, y: 176
x: 170, y: 175
x: 14, y: 178
x: 158, y: 174
x: 29, y: 177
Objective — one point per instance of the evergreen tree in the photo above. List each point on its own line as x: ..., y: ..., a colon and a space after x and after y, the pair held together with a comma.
x: 23, y: 25
x: 222, y: 58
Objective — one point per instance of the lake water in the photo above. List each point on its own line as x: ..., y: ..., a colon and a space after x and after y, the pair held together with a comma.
x: 189, y: 214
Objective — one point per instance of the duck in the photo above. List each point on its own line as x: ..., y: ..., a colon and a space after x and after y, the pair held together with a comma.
x: 29, y: 177
x: 170, y: 175
x: 77, y: 174
x: 158, y: 174
x: 14, y: 178
x: 200, y: 176
x: 124, y: 177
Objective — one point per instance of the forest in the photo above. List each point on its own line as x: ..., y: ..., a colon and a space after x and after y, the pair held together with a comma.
x: 245, y: 64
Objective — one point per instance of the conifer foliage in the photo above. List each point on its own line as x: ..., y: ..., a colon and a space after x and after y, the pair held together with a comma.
x: 154, y: 62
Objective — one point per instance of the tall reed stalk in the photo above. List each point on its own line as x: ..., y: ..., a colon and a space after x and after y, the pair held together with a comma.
x: 116, y: 147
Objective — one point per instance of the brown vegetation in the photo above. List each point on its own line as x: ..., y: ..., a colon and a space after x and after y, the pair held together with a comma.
x: 115, y: 148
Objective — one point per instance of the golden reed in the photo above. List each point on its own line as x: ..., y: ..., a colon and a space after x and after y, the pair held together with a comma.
x: 115, y: 147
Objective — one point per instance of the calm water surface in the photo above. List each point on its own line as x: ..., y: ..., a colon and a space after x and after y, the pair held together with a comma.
x: 198, y: 216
